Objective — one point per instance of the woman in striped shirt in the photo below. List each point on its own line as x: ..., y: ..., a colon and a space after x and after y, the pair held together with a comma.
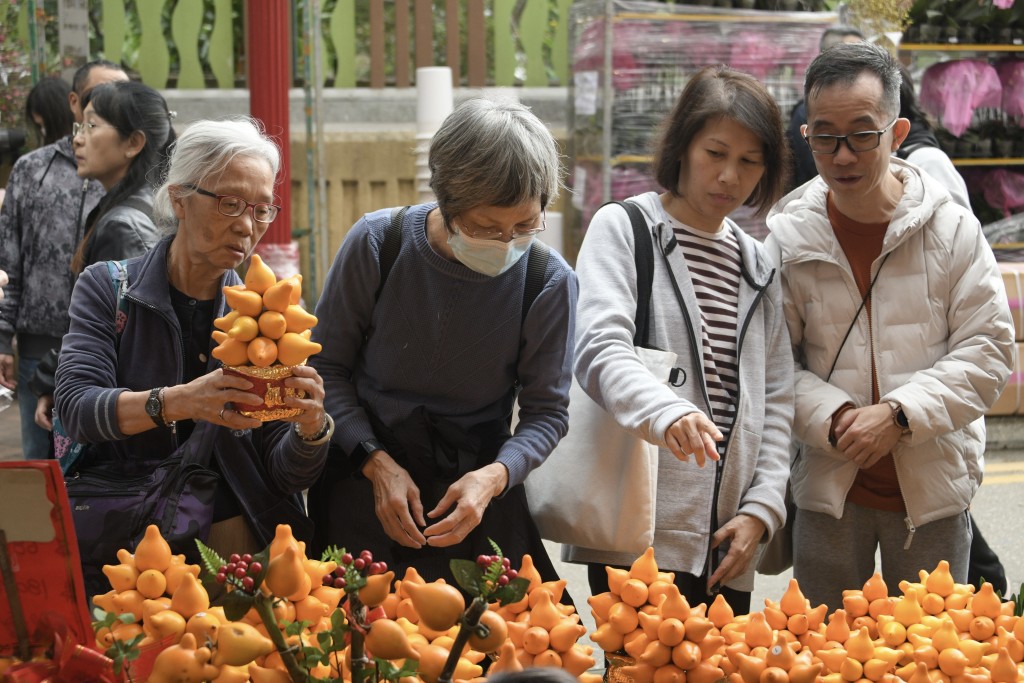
x: 716, y: 303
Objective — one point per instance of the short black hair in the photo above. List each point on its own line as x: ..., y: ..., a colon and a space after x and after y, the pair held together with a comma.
x: 82, y: 75
x: 844, y: 64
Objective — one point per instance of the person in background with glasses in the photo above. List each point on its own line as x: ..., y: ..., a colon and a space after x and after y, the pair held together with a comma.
x: 121, y: 143
x: 902, y: 337
x: 40, y: 226
x: 139, y: 385
x: 432, y: 327
x: 723, y: 416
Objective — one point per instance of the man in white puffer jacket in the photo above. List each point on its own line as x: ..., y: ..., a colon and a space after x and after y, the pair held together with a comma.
x: 902, y: 336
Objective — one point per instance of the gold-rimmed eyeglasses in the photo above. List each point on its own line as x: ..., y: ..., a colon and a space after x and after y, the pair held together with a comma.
x: 498, y: 234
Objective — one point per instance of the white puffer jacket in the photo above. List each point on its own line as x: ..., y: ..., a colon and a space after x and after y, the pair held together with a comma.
x: 943, y: 339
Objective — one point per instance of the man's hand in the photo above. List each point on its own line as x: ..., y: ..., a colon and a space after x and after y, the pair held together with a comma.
x: 866, y: 434
x: 693, y: 434
x: 743, y: 533
x: 470, y: 495
x: 396, y: 500
x: 7, y: 376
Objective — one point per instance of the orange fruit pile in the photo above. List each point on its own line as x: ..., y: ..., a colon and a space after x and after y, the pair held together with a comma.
x: 266, y: 324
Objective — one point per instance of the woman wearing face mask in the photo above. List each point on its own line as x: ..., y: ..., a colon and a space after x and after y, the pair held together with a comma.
x: 429, y: 339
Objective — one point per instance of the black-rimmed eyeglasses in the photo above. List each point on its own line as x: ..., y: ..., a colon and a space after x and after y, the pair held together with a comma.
x: 864, y: 141
x: 232, y: 206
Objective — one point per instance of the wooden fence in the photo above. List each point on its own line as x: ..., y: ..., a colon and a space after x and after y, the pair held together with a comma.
x: 197, y: 44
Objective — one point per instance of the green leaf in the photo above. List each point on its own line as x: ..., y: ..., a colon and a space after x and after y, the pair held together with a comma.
x: 263, y: 557
x: 468, y: 575
x: 237, y: 603
x: 294, y: 628
x: 409, y: 668
x: 211, y: 560
x: 126, y: 618
x: 513, y: 592
x: 325, y: 640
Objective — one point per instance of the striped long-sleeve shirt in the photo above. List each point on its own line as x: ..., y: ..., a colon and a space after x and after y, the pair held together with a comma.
x: 714, y: 264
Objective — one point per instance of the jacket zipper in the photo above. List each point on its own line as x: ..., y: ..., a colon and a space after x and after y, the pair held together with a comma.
x: 181, y: 345
x: 911, y: 529
x: 694, y: 342
x: 720, y: 465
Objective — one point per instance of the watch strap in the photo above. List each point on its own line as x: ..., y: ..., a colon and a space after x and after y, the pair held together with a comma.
x: 155, y: 406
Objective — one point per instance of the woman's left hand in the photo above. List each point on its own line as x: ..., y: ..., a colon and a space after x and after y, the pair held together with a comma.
x: 743, y: 533
x: 311, y: 419
x: 470, y: 495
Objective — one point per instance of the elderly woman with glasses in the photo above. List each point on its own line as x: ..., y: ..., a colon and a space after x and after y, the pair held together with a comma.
x: 136, y: 379
x: 434, y: 320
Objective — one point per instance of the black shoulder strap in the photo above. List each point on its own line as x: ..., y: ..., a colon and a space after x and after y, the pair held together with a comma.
x: 391, y: 246
x: 536, y: 266
x: 644, y: 255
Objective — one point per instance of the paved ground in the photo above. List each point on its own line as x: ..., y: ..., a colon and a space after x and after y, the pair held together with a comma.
x: 998, y: 510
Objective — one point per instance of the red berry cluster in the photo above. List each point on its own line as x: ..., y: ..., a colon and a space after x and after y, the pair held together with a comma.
x: 485, y: 562
x: 362, y: 563
x: 241, y: 570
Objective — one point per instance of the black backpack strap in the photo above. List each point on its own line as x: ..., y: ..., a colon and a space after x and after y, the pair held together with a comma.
x: 391, y: 246
x: 644, y: 255
x: 536, y: 266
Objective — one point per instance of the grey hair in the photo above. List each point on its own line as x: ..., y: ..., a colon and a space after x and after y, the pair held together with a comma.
x: 204, y: 150
x: 842, y: 64
x: 492, y: 153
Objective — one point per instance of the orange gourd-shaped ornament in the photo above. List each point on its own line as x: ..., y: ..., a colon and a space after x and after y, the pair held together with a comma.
x: 674, y: 606
x: 645, y: 568
x: 720, y: 612
x: 438, y: 604
x: 387, y: 640
x: 283, y: 539
x: 259, y: 278
x: 153, y: 552
x: 793, y: 600
x: 183, y: 663
x: 285, y: 573
x: 940, y: 581
x: 190, y: 598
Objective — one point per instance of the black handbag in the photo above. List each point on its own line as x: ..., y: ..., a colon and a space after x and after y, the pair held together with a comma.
x: 112, y: 504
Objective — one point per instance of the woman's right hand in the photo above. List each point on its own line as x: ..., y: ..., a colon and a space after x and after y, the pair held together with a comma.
x: 210, y: 397
x: 396, y: 500
x: 693, y: 434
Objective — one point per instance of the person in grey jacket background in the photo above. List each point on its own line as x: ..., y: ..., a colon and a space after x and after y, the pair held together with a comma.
x: 732, y: 397
x: 902, y: 336
x: 40, y: 223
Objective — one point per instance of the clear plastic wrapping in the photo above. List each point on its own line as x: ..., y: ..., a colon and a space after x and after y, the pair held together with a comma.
x: 653, y: 49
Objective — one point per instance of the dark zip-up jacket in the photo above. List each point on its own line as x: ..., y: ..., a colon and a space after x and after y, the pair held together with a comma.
x: 40, y: 227
x: 265, y: 469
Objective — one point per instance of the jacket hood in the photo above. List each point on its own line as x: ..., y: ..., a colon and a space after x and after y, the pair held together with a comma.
x: 806, y: 206
x: 754, y: 257
x: 64, y: 148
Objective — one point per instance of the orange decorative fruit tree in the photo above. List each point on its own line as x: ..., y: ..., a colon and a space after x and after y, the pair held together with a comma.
x: 265, y: 334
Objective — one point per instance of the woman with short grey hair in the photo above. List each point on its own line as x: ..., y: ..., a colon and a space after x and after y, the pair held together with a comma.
x: 206, y: 150
x: 434, y: 320
x: 138, y: 382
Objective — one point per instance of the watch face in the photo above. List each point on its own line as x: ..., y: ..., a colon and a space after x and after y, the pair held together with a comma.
x: 153, y: 405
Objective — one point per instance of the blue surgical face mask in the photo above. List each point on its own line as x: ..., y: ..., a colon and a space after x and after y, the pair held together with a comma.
x: 488, y: 257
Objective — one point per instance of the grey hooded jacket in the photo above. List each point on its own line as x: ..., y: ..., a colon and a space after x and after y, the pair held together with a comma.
x: 40, y: 227
x: 751, y: 478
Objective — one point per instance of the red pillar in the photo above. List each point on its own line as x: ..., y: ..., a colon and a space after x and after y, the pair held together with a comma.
x: 270, y: 57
